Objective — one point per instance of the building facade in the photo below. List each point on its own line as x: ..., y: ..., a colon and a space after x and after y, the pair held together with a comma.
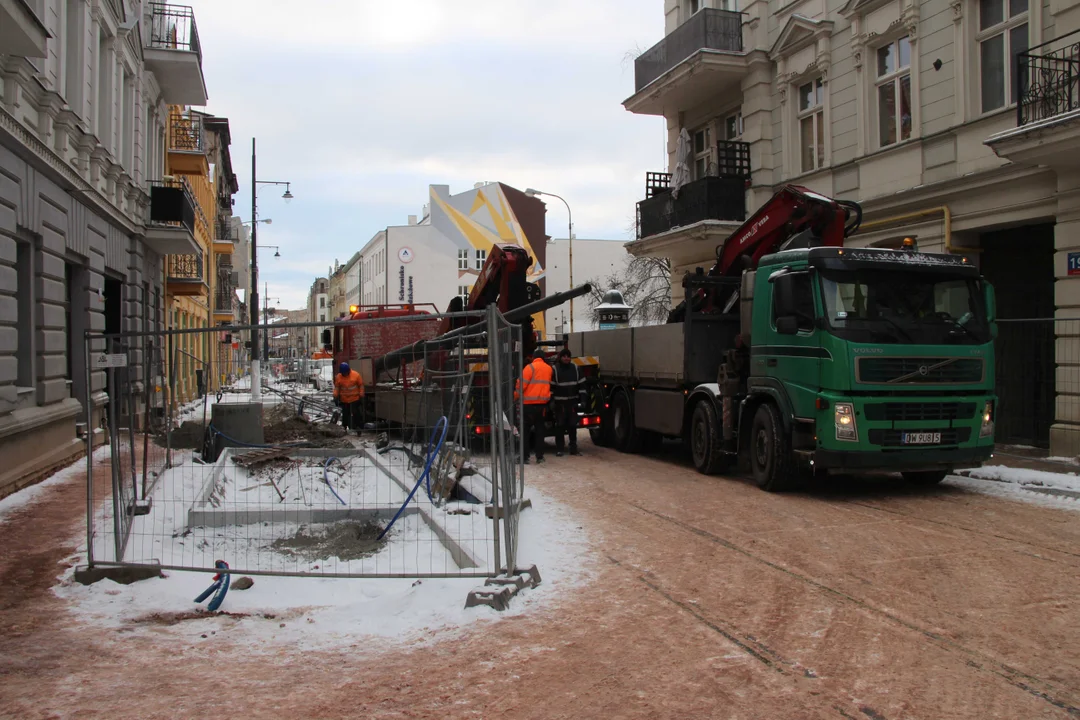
x: 431, y: 260
x: 950, y: 120
x: 594, y: 261
x: 85, y: 89
x: 318, y: 311
x: 335, y: 301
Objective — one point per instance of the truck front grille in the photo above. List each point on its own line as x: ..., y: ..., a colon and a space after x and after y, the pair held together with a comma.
x: 898, y: 411
x: 918, y: 370
x: 894, y: 438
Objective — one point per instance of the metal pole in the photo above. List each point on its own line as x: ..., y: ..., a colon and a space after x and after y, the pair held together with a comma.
x: 571, y: 239
x: 253, y: 301
x: 89, y: 458
x: 493, y: 370
x: 266, y: 322
x: 115, y: 463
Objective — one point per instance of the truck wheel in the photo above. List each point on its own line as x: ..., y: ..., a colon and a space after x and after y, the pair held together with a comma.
x: 926, y: 477
x: 599, y: 436
x: 704, y: 440
x: 624, y: 434
x: 770, y: 451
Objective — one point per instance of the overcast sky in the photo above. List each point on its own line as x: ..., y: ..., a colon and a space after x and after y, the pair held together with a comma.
x: 361, y: 104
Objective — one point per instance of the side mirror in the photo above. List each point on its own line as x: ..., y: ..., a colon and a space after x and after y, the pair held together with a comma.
x: 787, y: 325
x: 326, y: 337
x: 991, y: 302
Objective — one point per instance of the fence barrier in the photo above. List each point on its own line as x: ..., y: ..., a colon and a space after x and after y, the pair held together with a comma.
x: 421, y: 478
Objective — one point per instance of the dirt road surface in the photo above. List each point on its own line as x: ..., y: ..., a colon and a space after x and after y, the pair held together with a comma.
x: 867, y: 600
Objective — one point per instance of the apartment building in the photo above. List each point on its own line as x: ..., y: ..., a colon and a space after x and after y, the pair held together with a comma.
x: 318, y: 311
x: 956, y: 121
x: 85, y: 89
x: 438, y: 257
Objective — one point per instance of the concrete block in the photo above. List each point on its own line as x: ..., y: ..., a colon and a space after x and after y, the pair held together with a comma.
x: 9, y: 369
x: 8, y: 277
x: 9, y: 340
x: 53, y: 366
x: 1064, y: 440
x: 87, y: 575
x: 53, y: 241
x: 53, y: 317
x: 240, y: 421
x: 8, y: 252
x: 9, y: 309
x: 97, y: 321
x: 51, y: 341
x: 51, y: 391
x: 52, y: 266
x: 49, y: 290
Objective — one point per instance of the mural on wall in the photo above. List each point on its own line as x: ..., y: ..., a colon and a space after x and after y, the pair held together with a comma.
x: 492, y: 213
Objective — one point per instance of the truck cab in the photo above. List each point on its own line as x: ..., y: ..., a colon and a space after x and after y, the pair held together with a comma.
x: 867, y: 360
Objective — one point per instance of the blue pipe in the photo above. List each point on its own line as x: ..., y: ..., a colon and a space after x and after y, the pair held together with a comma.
x: 326, y: 478
x: 241, y: 443
x: 424, y: 475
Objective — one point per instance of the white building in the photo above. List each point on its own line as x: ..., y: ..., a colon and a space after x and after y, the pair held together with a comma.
x: 594, y: 260
x: 352, y: 280
x: 934, y: 115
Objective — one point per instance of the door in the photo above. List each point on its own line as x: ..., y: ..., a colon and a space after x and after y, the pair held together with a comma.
x: 791, y: 354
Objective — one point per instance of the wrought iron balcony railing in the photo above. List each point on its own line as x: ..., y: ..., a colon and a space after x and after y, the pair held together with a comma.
x: 172, y: 27
x: 172, y: 204
x: 1048, y: 79
x: 185, y: 268
x: 186, y: 132
x: 706, y: 29
x: 719, y: 196
x: 223, y: 301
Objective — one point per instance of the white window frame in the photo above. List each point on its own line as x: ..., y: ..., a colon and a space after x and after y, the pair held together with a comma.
x: 821, y: 126
x: 894, y: 78
x: 701, y: 160
x: 464, y: 291
x: 1003, y: 29
x: 738, y: 118
x: 481, y: 257
x: 462, y: 259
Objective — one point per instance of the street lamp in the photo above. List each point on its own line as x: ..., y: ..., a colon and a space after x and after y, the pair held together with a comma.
x: 267, y: 221
x: 277, y: 251
x: 531, y: 192
x: 256, y: 380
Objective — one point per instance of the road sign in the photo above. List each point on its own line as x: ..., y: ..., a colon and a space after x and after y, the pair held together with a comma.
x: 1074, y: 263
x: 99, y: 361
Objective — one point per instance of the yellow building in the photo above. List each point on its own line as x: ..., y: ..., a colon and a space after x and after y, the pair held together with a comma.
x: 199, y: 286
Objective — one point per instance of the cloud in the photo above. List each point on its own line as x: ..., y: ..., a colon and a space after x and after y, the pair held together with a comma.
x: 362, y: 104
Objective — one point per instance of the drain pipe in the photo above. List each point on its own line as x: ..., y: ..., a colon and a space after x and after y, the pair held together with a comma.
x: 942, y: 210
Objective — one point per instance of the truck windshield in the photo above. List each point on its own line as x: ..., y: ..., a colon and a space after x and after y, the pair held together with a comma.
x: 902, y: 306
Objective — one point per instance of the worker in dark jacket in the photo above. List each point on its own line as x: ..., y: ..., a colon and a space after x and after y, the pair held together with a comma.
x: 534, y: 388
x: 567, y: 391
x: 349, y: 395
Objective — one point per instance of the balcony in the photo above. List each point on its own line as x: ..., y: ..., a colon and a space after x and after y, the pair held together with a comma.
x: 173, y: 54
x: 21, y: 31
x: 171, y: 226
x: 224, y: 238
x: 703, y: 56
x: 1047, y: 128
x: 184, y: 275
x: 223, y: 303
x: 186, y: 143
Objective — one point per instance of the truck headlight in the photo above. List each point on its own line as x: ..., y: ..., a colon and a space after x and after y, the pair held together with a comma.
x: 987, y: 428
x: 844, y: 414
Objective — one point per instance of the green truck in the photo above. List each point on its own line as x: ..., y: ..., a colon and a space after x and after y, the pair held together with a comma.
x: 797, y: 356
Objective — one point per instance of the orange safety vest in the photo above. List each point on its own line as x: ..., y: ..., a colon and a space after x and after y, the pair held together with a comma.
x: 348, y: 388
x: 537, y: 377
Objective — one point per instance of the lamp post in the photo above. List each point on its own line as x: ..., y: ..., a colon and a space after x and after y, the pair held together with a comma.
x: 531, y: 192
x: 256, y: 379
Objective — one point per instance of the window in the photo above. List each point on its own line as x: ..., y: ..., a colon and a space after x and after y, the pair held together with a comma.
x: 894, y: 92
x: 693, y: 6
x: 481, y: 256
x: 733, y: 126
x: 463, y: 291
x: 322, y: 302
x: 793, y: 296
x: 74, y: 39
x: 1002, y: 35
x: 24, y: 298
x: 812, y: 125
x: 462, y: 260
x: 702, y: 152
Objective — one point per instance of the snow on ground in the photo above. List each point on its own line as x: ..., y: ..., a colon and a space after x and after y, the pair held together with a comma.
x: 28, y: 496
x: 323, y: 613
x: 1056, y: 490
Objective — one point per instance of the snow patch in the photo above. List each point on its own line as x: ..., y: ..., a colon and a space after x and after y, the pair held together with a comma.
x: 30, y: 495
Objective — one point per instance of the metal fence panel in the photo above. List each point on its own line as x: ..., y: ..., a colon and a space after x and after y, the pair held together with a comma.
x: 199, y: 473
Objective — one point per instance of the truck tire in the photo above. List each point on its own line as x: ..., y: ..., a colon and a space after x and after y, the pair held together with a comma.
x: 625, y: 437
x: 925, y: 477
x: 770, y: 451
x: 705, y: 445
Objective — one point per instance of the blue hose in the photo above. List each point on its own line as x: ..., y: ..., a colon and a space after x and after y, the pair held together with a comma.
x: 326, y: 478
x: 424, y: 475
x: 241, y: 443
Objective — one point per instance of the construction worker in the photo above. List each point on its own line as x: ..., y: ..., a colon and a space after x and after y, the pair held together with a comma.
x: 535, y: 389
x: 566, y: 392
x: 349, y: 395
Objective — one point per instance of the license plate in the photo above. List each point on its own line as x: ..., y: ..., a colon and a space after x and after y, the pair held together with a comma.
x: 921, y: 438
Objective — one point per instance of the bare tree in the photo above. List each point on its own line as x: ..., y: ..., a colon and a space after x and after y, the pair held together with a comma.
x: 645, y: 284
